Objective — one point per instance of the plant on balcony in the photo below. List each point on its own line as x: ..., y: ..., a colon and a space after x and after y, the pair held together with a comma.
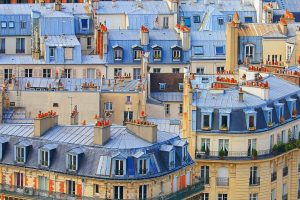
x: 221, y: 153
x: 294, y: 113
x: 254, y: 153
x: 270, y: 124
x: 281, y: 119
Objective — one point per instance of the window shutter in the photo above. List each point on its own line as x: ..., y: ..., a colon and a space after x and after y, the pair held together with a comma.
x: 67, y: 161
x: 39, y: 156
x: 68, y: 53
x: 1, y: 149
x: 15, y: 153
x: 74, y: 73
x: 148, y: 165
x: 49, y: 157
x: 22, y: 73
x: 25, y: 153
x: 124, y: 166
x: 40, y: 73
x: 84, y: 73
x: 77, y: 162
x: 113, y: 166
x: 35, y: 72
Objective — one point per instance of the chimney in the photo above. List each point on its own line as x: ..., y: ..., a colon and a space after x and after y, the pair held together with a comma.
x: 43, y: 122
x: 185, y: 36
x: 101, y: 40
x: 143, y: 129
x: 283, y: 26
x: 144, y: 34
x: 113, y: 3
x: 241, y: 95
x: 57, y: 5
x: 36, y: 51
x: 74, y: 116
x: 101, y: 132
x: 145, y: 61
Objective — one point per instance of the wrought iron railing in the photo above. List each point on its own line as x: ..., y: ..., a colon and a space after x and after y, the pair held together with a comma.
x: 222, y: 181
x: 254, y: 181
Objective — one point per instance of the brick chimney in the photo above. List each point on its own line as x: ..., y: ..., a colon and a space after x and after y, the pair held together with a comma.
x: 57, y: 5
x: 74, y: 116
x: 283, y: 26
x: 101, y: 40
x: 144, y: 34
x: 144, y: 130
x: 101, y: 132
x: 36, y: 51
x: 43, y: 122
x: 185, y: 37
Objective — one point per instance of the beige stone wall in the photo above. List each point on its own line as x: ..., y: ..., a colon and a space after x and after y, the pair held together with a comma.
x: 10, y: 44
x: 158, y: 111
x: 210, y: 67
x: 117, y: 21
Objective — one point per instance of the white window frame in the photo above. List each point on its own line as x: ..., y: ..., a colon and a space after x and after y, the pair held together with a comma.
x: 28, y: 72
x: 137, y: 54
x: 52, y: 53
x: 44, y: 158
x: 249, y: 51
x: 108, y: 106
x: 118, y: 54
x: 43, y: 183
x: 166, y: 22
x: 20, y: 154
x: 119, y: 170
x: 157, y: 54
x: 3, y: 24
x: 176, y: 54
x: 72, y: 162
x: 11, y: 24
x: 143, y: 166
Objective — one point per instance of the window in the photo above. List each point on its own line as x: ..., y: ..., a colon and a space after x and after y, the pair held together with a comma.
x: 184, y: 154
x: 91, y: 73
x: 229, y: 18
x: 198, y: 50
x: 142, y: 166
x: 156, y: 70
x: 67, y: 73
x: 206, y: 121
x: 204, y: 196
x: 200, y: 70
x: 172, y: 159
x: 46, y: 73
x: 28, y: 73
x: 253, y: 196
x: 71, y: 187
x: 224, y: 145
x: 19, y: 180
x: 8, y: 74
x: 52, y: 53
x: 128, y: 99
x: 180, y: 86
x: 117, y: 71
x: 137, y: 54
x: 196, y: 19
x: 11, y: 24
x: 220, y: 69
x: 162, y: 86
x: 205, y: 145
x: 118, y: 192
x: 176, y: 55
x: 96, y: 189
x: 43, y: 182
x: 118, y: 54
x: 222, y: 196
x: 20, y: 154
x: 288, y: 52
x: 167, y: 109
x: 157, y: 54
x: 204, y: 174
x: 273, y: 194
x: 44, y: 158
x: 20, y: 45
x: 180, y: 108
x: 187, y: 21
x: 68, y: 53
x: 175, y: 70
x: 119, y: 167
x: 3, y: 24
x: 272, y: 141
x: 251, y: 146
x: 248, y: 20
x: 249, y: 51
x: 108, y: 106
x: 2, y: 45
x: 23, y: 24
x: 72, y: 162
x: 224, y: 121
x: 166, y: 22
x: 284, y: 191
x: 128, y: 116
x: 204, y: 80
x: 221, y: 21
x: 84, y: 23
x: 254, y: 177
x: 136, y: 73
x: 89, y: 42
x: 143, y: 192
x: 220, y: 50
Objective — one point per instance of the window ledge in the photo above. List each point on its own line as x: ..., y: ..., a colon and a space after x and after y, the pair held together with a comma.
x: 206, y: 128
x: 252, y: 128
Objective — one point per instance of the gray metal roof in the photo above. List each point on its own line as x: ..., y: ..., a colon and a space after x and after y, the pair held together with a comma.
x: 168, y: 96
x: 62, y: 40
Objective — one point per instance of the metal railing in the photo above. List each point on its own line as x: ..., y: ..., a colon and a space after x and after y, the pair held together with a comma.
x: 254, y: 181
x: 273, y: 176
x: 222, y: 181
x: 205, y: 181
x: 285, y: 171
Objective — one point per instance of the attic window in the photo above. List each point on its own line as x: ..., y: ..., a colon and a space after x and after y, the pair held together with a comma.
x: 44, y: 158
x: 119, y: 167
x: 184, y: 154
x: 220, y: 50
x: 11, y: 24
x: 172, y: 159
x: 162, y: 86
x: 157, y: 54
x: 176, y: 54
x: 68, y: 53
x: 248, y: 20
x: 72, y: 162
x: 221, y: 21
x: 3, y: 24
x: 251, y: 119
x: 84, y: 23
x: 196, y: 19
x: 180, y: 86
x: 143, y: 166
x: 20, y: 154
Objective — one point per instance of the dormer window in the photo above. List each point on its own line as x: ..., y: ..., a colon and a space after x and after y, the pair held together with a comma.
x: 172, y: 159
x: 119, y: 167
x: 137, y: 53
x: 184, y: 154
x: 68, y: 53
x: 279, y: 107
x: 162, y: 86
x: 20, y: 154
x: 44, y: 158
x: 11, y: 24
x: 72, y: 161
x: 3, y: 24
x: 220, y: 50
x: 291, y: 103
x: 142, y: 166
x: 157, y: 52
x: 268, y: 116
x: 84, y: 23
x: 249, y: 51
x: 176, y: 55
x: 251, y: 119
x: 118, y: 52
x: 206, y: 119
x: 224, y: 120
x: 52, y: 53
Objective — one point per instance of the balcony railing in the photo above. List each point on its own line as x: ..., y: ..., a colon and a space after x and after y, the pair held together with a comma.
x: 285, y: 197
x: 254, y: 181
x: 205, y: 181
x: 273, y: 176
x: 285, y: 171
x: 222, y: 181
x: 189, y: 191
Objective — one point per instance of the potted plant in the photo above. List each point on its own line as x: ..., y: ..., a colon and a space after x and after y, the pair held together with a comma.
x: 281, y: 119
x: 207, y: 151
x: 254, y: 153
x: 221, y: 153
x: 270, y: 124
x: 203, y: 150
x: 294, y: 113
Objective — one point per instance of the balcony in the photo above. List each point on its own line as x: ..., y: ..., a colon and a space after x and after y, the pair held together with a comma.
x: 285, y: 171
x: 273, y: 176
x: 222, y: 181
x: 255, y: 181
